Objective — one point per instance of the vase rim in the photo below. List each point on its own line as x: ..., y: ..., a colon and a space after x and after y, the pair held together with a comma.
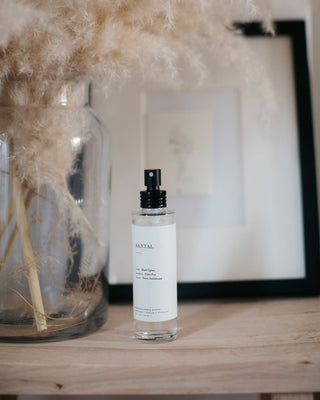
x: 47, y: 92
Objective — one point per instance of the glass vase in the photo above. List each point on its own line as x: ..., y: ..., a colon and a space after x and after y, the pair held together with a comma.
x: 54, y: 199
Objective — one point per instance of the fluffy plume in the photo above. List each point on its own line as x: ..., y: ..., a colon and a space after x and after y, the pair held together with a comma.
x: 112, y: 38
x: 66, y: 41
x: 14, y: 16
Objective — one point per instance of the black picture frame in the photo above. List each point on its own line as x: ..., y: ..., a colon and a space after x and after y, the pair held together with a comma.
x: 310, y: 284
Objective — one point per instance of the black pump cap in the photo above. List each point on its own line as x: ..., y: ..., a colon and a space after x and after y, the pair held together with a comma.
x: 153, y: 197
x: 152, y: 179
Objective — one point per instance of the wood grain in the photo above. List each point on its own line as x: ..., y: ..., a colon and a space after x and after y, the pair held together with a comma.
x: 266, y: 346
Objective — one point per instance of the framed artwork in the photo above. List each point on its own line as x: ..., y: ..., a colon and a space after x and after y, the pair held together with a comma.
x: 245, y: 195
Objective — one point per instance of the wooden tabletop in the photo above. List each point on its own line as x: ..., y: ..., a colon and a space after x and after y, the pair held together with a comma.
x: 232, y: 346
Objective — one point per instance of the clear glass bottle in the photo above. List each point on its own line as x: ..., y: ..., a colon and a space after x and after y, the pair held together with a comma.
x: 154, y: 264
x: 54, y: 197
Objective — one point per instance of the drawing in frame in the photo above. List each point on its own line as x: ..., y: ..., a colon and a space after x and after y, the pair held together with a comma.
x: 253, y: 231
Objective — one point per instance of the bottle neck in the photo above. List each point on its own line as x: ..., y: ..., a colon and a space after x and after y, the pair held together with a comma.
x: 153, y: 199
x: 153, y: 211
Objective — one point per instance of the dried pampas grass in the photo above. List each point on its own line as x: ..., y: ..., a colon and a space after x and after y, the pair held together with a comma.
x: 48, y: 47
x: 111, y: 39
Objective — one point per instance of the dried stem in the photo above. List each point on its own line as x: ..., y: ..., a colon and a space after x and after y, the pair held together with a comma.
x: 14, y: 233
x: 50, y: 317
x: 8, y: 217
x: 85, y: 220
x: 28, y: 256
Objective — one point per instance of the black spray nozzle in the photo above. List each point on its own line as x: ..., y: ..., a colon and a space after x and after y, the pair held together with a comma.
x: 153, y: 197
x: 152, y: 179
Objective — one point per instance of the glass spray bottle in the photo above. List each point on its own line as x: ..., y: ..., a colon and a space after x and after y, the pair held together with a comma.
x: 154, y: 264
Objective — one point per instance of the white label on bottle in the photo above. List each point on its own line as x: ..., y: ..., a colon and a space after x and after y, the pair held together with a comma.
x: 154, y: 272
